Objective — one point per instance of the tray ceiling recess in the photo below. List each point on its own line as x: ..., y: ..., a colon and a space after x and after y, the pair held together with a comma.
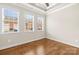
x: 48, y: 6
x: 45, y: 8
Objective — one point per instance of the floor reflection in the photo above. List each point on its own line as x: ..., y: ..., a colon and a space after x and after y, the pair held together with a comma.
x: 38, y: 50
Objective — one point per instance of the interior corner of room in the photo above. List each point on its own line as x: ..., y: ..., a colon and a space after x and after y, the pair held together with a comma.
x: 21, y: 23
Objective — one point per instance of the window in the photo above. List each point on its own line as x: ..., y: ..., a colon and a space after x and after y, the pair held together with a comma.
x: 39, y: 23
x: 29, y: 21
x: 10, y: 20
x: 0, y: 20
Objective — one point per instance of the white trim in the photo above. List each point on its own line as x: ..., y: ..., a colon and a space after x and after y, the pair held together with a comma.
x: 42, y: 19
x: 30, y: 7
x: 3, y: 32
x: 32, y: 23
x: 34, y: 8
x: 58, y: 9
x: 19, y: 43
x: 18, y: 16
x: 2, y: 20
x: 72, y: 43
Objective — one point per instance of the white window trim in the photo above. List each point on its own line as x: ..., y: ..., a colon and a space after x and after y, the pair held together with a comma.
x: 32, y: 23
x: 2, y: 20
x: 3, y: 23
x: 42, y: 23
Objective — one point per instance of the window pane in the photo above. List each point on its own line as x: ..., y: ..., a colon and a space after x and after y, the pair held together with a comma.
x: 29, y: 23
x: 39, y: 23
x: 0, y: 20
x: 10, y: 20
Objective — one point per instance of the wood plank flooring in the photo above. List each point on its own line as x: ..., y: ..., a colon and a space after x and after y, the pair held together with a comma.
x: 41, y: 47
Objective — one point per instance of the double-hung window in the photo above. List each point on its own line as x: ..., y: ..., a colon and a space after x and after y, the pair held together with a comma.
x: 29, y: 23
x: 10, y: 20
x: 0, y: 20
x: 40, y: 23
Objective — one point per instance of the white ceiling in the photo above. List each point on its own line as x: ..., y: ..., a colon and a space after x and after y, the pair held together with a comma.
x: 43, y: 6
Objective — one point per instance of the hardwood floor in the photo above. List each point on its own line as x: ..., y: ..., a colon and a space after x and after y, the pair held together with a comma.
x: 57, y: 48
x: 41, y: 47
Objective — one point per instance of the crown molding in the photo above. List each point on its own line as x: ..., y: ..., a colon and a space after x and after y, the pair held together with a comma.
x: 30, y: 7
x: 40, y: 11
x: 58, y: 9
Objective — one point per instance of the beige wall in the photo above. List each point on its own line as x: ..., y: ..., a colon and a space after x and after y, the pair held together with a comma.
x: 12, y: 39
x: 63, y: 25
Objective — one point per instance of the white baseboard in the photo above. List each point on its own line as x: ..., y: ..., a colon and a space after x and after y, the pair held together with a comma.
x: 9, y: 46
x: 72, y: 43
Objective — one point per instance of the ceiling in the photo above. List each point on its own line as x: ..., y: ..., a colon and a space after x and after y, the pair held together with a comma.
x: 44, y: 8
x: 47, y: 6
